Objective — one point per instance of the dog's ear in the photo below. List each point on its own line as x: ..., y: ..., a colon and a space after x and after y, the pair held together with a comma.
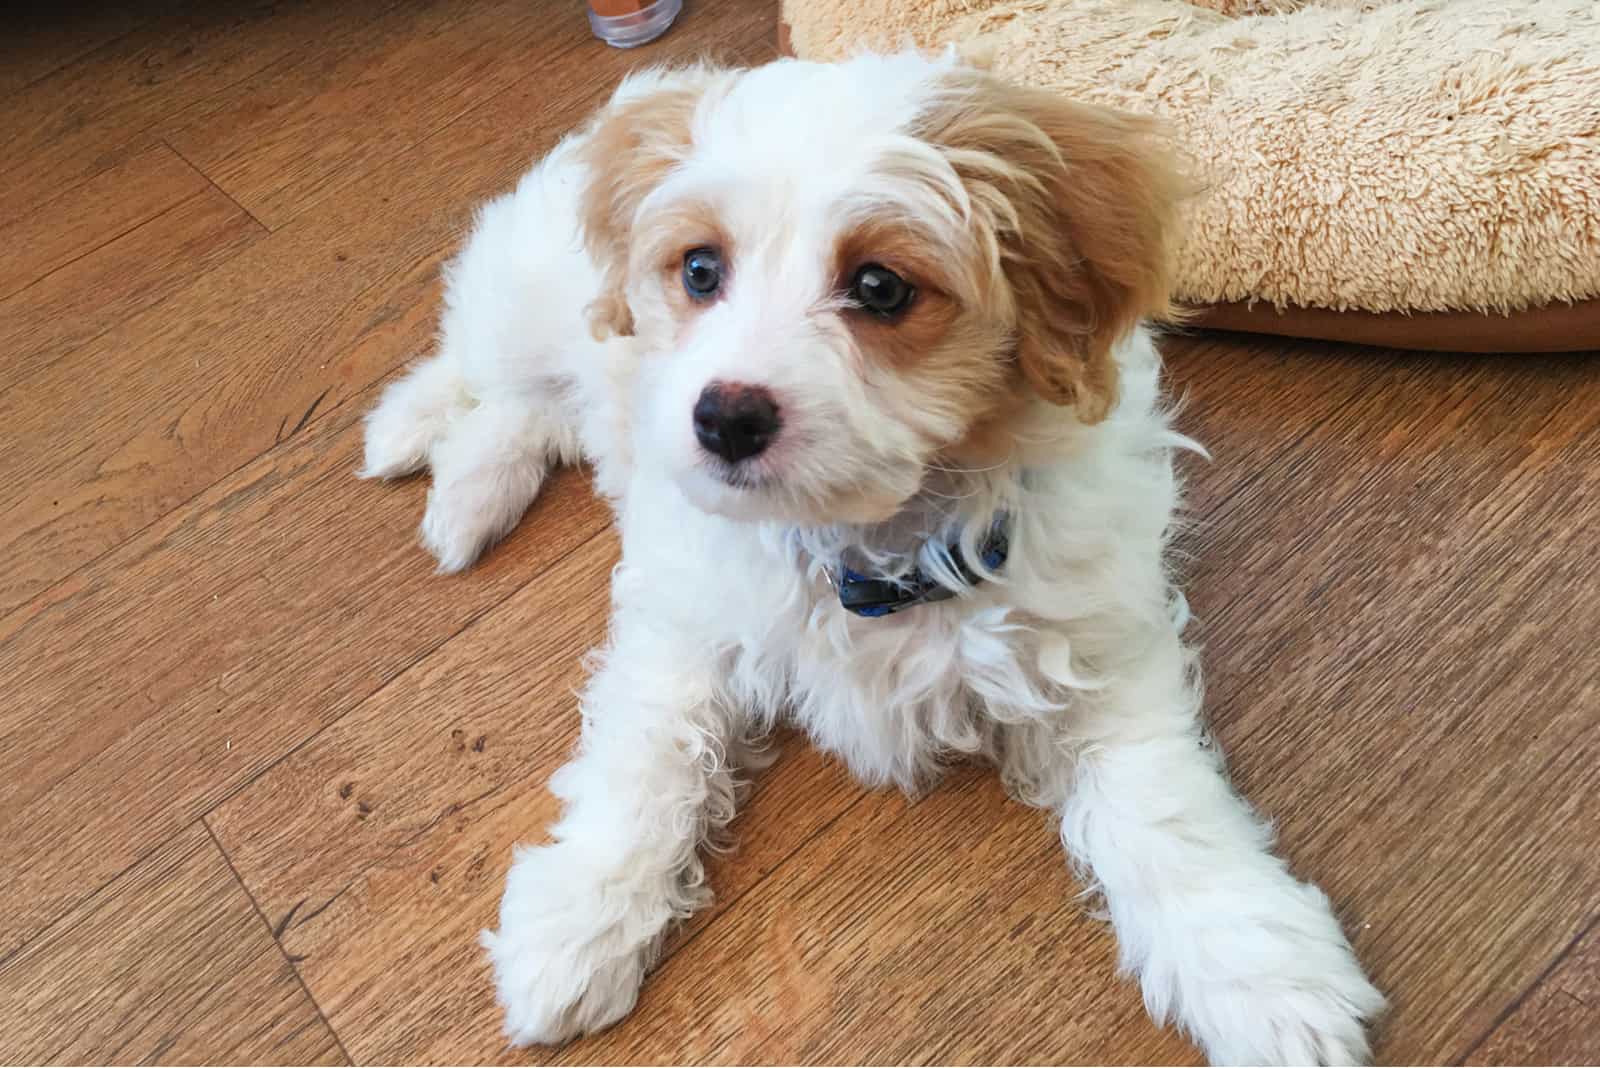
x: 632, y: 145
x: 1082, y: 203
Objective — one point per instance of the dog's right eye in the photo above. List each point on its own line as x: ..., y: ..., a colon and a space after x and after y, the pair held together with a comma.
x: 702, y: 272
x: 880, y: 291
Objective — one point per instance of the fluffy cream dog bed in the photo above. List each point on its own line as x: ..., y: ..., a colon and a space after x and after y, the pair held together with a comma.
x: 1423, y: 173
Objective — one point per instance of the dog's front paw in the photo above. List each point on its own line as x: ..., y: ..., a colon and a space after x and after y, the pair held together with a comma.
x: 1294, y: 1022
x: 467, y: 515
x: 410, y: 417
x: 568, y: 958
x: 1292, y: 993
x: 393, y: 446
x: 554, y: 989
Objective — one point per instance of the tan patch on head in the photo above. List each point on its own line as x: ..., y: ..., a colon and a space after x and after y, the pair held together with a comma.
x: 631, y: 148
x: 684, y: 227
x: 948, y: 338
x: 1081, y: 203
x: 991, y: 436
x: 909, y: 338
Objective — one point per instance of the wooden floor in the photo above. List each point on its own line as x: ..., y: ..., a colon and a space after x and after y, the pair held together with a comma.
x: 262, y: 770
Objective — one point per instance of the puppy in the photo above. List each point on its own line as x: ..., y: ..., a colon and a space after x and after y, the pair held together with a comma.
x: 855, y: 353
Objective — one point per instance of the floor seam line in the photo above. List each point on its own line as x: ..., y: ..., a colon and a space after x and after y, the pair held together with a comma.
x: 271, y: 934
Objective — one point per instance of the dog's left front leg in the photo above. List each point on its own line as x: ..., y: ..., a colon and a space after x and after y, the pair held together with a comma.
x: 1250, y: 960
x: 582, y: 917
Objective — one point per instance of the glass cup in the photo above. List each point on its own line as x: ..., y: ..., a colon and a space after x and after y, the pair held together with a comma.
x: 630, y: 23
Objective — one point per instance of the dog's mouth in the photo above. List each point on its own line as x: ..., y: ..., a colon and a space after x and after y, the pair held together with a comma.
x: 735, y: 491
x: 754, y: 492
x: 745, y: 477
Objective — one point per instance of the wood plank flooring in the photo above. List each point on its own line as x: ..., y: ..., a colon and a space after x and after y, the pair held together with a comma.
x: 261, y: 770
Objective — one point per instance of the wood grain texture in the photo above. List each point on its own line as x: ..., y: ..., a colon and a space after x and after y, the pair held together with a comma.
x: 160, y: 680
x: 1558, y: 1022
x: 169, y: 964
x: 42, y: 36
x: 297, y: 131
x: 133, y: 270
x: 94, y: 113
x: 242, y: 357
x: 90, y: 215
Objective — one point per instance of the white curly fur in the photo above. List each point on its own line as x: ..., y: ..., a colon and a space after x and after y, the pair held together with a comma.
x: 1066, y: 668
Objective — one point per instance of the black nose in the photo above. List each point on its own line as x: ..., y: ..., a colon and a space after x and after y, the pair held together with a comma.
x: 735, y: 422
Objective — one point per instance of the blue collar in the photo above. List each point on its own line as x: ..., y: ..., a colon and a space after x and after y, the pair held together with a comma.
x: 874, y: 597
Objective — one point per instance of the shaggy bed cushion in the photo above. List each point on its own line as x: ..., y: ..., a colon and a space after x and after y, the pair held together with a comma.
x: 1357, y: 156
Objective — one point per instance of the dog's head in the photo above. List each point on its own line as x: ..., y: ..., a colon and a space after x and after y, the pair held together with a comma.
x: 843, y: 275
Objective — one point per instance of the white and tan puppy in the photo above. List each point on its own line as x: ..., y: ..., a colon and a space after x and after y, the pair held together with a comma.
x: 855, y: 351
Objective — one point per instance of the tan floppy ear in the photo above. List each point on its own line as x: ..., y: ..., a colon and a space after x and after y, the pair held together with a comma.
x: 631, y: 147
x: 1083, y: 202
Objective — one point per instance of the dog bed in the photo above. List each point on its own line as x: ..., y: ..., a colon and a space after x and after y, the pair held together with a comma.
x: 1416, y: 173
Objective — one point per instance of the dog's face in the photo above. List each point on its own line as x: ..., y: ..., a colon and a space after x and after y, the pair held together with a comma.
x: 847, y: 275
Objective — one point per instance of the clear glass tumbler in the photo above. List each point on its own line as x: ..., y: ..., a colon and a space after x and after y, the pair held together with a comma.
x: 630, y: 23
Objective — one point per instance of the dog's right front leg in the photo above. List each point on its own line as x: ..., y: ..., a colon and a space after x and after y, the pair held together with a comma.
x: 582, y: 917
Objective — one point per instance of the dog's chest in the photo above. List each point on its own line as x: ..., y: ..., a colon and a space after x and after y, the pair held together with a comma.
x: 895, y: 697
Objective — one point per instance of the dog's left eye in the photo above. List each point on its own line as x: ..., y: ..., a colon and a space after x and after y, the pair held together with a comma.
x: 880, y: 291
x: 702, y: 272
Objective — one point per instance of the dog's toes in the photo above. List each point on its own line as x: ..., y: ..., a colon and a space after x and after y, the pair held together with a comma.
x: 1318, y: 1020
x: 468, y: 514
x: 411, y: 416
x: 556, y: 988
x: 395, y: 444
x: 451, y: 537
x: 389, y: 460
